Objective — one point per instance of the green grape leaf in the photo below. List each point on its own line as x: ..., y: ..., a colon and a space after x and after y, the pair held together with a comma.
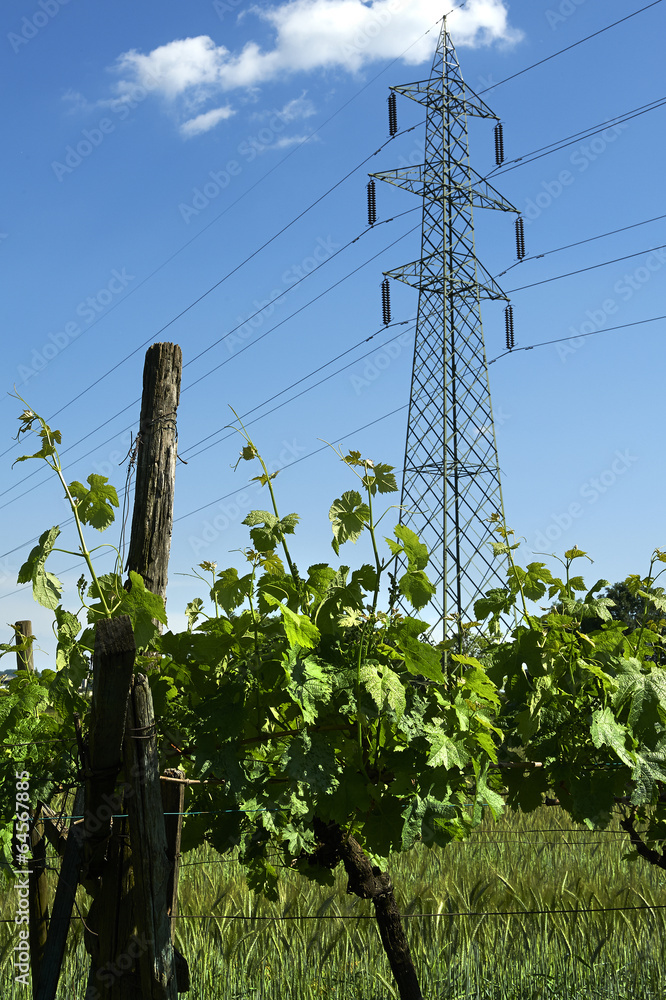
x: 658, y: 600
x: 417, y: 588
x: 94, y: 505
x: 420, y: 658
x: 260, y: 517
x: 494, y: 603
x: 193, y: 611
x: 46, y: 587
x: 606, y: 731
x: 300, y: 631
x: 477, y: 680
x: 320, y: 578
x: 484, y: 793
x: 445, y: 752
x: 310, y: 684
x: 380, y: 479
x: 49, y: 440
x: 311, y: 759
x: 414, y: 550
x: 348, y: 517
x: 142, y: 606
x: 262, y: 877
x: 267, y: 530
x: 575, y: 553
x: 230, y: 590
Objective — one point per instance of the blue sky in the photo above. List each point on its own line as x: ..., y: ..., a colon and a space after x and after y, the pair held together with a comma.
x: 153, y: 147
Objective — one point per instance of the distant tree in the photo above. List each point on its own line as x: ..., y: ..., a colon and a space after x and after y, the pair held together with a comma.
x: 640, y: 605
x: 629, y: 606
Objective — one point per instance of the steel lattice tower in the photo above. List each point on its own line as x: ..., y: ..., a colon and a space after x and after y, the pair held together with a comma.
x: 451, y: 480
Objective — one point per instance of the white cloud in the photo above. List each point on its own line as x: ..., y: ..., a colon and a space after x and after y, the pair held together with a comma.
x: 294, y: 110
x: 206, y: 121
x: 309, y: 36
x: 187, y: 65
x: 292, y: 140
x: 77, y: 102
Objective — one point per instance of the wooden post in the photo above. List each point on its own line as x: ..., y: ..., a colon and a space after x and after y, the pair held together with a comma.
x: 38, y: 902
x: 149, y: 848
x: 24, y: 659
x: 152, y: 519
x: 113, y: 663
x: 173, y: 803
x: 110, y: 937
x: 54, y: 950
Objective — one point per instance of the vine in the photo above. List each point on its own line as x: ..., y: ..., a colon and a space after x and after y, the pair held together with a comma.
x: 322, y: 725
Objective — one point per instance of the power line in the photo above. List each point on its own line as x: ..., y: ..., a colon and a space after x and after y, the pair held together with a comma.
x: 294, y: 384
x: 529, y: 347
x: 247, y: 413
x: 314, y: 203
x: 357, y: 430
x: 580, y: 270
x: 589, y: 239
x: 229, y: 207
x: 536, y: 154
x: 217, y: 367
x: 592, y: 333
x: 290, y: 153
x: 219, y: 499
x: 291, y: 316
x: 217, y: 284
x: 569, y: 47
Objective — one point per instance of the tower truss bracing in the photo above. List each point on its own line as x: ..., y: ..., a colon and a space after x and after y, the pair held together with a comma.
x: 451, y: 480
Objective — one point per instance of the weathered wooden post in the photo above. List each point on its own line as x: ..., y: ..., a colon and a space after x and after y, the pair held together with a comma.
x: 172, y: 787
x: 54, y: 949
x: 150, y: 862
x: 110, y: 919
x: 24, y: 658
x: 152, y: 519
x: 113, y: 664
x: 38, y: 901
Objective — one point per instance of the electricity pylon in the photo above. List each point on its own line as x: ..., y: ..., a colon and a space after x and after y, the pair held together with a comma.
x: 451, y: 480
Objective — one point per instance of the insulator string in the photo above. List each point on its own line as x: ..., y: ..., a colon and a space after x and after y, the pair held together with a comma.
x: 392, y: 114
x: 508, y: 323
x: 520, y: 237
x: 499, y: 144
x: 386, y: 302
x: 372, y: 203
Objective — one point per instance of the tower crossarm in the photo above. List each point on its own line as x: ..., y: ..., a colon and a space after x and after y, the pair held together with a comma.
x: 434, y: 93
x: 426, y: 275
x: 421, y: 180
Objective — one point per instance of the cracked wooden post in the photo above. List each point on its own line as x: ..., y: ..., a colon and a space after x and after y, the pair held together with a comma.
x: 63, y: 904
x: 150, y: 860
x: 152, y: 519
x: 24, y: 659
x: 113, y: 663
x: 173, y: 803
x: 38, y: 901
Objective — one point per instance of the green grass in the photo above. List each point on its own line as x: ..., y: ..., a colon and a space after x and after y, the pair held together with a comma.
x: 511, y: 865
